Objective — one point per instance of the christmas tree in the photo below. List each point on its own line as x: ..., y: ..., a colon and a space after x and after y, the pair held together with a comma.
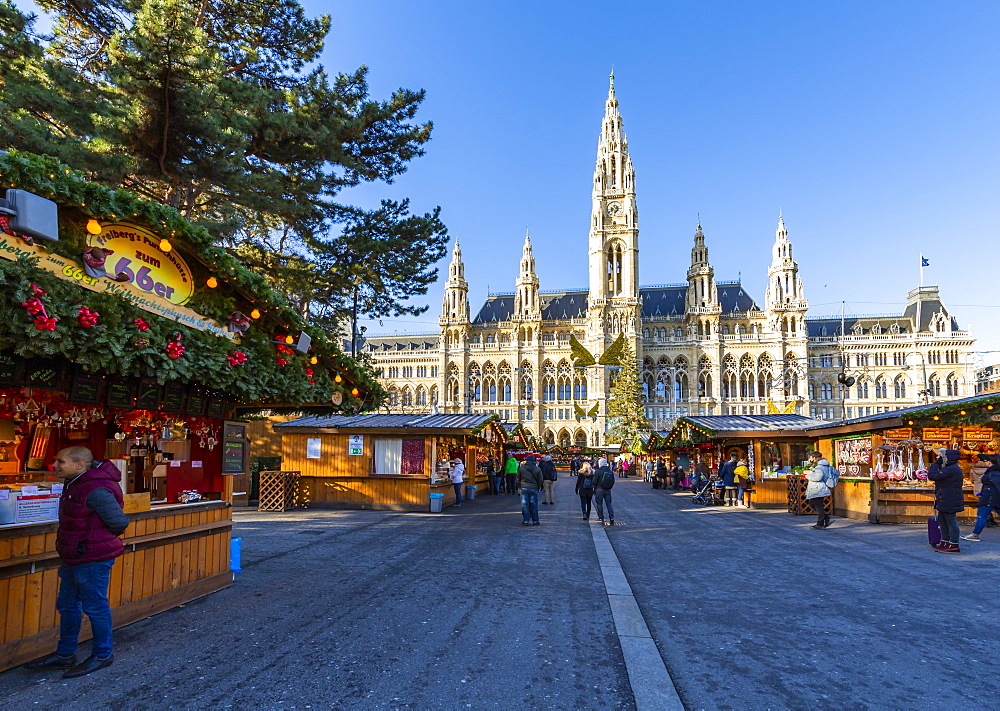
x: 625, y: 411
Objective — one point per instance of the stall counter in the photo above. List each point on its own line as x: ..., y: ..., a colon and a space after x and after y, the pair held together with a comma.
x: 173, y: 554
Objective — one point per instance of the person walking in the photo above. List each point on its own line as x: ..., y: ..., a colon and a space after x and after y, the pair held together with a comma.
x: 549, y: 477
x: 661, y: 474
x: 87, y: 540
x: 649, y: 466
x: 819, y: 478
x: 574, y: 466
x: 489, y: 466
x: 626, y: 468
x: 529, y: 478
x: 949, y: 499
x: 585, y: 488
x: 989, y: 497
x: 679, y: 475
x: 604, y: 480
x: 510, y: 474
x: 457, y: 479
x: 727, y: 472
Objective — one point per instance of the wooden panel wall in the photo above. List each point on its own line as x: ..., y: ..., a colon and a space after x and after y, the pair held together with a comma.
x: 375, y: 492
x: 334, y: 459
x: 169, y: 559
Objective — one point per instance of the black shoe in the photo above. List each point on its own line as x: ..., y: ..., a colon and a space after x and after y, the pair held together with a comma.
x: 611, y: 522
x: 525, y: 523
x: 828, y: 523
x: 53, y: 661
x: 817, y: 527
x: 88, y: 665
x: 536, y: 523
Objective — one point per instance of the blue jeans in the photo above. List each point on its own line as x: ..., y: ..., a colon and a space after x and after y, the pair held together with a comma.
x: 84, y: 588
x: 529, y: 505
x: 458, y: 494
x: 602, y: 498
x: 983, y: 517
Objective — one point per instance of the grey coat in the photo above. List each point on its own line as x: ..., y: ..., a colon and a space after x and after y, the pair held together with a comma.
x: 817, y: 478
x: 529, y: 476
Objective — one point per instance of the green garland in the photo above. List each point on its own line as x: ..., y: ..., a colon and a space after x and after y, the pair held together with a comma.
x: 107, y: 347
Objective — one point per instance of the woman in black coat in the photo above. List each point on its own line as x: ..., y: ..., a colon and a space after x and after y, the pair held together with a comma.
x: 949, y: 498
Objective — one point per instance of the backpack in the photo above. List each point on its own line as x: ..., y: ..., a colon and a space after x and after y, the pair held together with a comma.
x: 607, y: 479
x: 832, y: 477
x: 588, y: 482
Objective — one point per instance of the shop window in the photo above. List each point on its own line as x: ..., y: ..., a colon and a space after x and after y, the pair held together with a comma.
x: 388, y: 455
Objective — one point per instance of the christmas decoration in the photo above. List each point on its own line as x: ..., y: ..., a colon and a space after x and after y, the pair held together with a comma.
x: 141, y: 323
x: 87, y: 317
x: 283, y: 351
x: 35, y: 307
x: 174, y: 348
x: 93, y: 264
x: 239, y: 322
x: 309, y: 375
x: 236, y: 358
x: 140, y: 343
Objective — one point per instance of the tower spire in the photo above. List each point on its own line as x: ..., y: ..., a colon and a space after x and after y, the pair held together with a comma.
x: 455, y: 307
x: 702, y: 292
x: 784, y: 289
x: 527, y: 304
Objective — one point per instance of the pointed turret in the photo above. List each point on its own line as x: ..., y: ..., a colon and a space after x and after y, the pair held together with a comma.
x: 702, y: 294
x: 784, y: 290
x: 455, y: 307
x: 527, y: 304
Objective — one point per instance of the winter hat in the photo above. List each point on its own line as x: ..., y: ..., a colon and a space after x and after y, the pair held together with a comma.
x: 530, y: 458
x: 546, y: 458
x: 952, y: 455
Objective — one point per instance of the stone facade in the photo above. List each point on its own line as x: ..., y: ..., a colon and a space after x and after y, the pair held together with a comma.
x: 703, y: 346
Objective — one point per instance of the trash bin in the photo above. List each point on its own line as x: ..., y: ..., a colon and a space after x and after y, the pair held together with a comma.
x: 437, y: 501
x: 470, y: 492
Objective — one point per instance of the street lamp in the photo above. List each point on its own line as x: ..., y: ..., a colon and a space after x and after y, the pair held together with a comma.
x: 923, y: 365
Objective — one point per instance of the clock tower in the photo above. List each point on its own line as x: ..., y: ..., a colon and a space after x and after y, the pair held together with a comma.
x: 614, y: 233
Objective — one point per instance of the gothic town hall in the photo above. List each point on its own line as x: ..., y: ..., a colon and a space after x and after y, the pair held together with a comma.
x: 703, y: 347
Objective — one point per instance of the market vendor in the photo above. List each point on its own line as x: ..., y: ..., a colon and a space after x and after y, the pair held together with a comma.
x: 91, y: 520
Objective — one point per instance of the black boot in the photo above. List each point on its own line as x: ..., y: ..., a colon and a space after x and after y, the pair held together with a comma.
x: 88, y: 665
x: 52, y: 661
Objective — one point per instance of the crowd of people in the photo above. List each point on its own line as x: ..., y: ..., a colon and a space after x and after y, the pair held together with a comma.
x: 732, y: 485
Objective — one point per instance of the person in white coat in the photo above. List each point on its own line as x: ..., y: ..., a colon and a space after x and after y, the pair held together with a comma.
x: 457, y: 479
x: 818, y: 480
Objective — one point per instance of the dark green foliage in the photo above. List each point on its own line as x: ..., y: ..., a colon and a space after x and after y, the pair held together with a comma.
x: 218, y: 109
x: 625, y: 411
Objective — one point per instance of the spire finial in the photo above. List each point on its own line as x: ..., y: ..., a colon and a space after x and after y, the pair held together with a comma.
x: 527, y: 236
x: 699, y: 220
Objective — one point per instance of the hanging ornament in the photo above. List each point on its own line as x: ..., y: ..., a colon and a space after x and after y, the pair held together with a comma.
x: 87, y: 317
x: 174, y: 348
x: 236, y: 358
x: 140, y: 343
x: 283, y: 352
x: 93, y: 264
x: 141, y: 323
x: 35, y: 307
x: 309, y: 374
x: 239, y: 322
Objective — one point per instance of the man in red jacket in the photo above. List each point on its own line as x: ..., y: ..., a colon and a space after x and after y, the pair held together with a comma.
x: 90, y: 523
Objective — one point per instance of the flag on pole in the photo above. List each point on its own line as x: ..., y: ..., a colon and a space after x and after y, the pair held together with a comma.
x: 924, y: 262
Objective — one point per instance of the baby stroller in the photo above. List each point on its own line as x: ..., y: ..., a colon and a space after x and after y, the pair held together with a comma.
x: 710, y: 494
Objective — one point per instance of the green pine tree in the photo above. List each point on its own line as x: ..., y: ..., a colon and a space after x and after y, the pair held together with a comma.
x: 626, y: 415
x: 220, y: 110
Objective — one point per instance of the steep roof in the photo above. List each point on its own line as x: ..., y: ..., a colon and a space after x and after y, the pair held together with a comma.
x: 666, y: 300
x: 389, y: 344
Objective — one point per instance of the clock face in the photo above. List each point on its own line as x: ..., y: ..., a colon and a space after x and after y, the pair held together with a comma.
x: 614, y: 208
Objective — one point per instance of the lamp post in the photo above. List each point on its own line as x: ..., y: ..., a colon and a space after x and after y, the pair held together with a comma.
x: 923, y: 365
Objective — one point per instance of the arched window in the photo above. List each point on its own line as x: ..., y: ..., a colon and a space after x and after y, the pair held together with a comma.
x: 952, y: 385
x: 881, y: 390
x: 862, y: 390
x: 899, y: 389
x: 934, y: 386
x: 580, y: 389
x: 407, y: 398
x: 421, y: 397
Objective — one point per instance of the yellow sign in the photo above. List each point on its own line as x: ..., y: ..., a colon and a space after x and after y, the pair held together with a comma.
x: 898, y: 433
x: 937, y: 434
x: 138, y: 257
x: 13, y: 248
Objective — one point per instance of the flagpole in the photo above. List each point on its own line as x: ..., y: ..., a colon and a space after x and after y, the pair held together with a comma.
x: 921, y: 269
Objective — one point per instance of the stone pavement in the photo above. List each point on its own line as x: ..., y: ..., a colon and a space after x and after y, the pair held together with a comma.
x: 468, y: 609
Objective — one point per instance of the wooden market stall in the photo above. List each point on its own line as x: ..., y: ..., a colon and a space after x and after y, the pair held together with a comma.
x: 387, y: 461
x: 773, y: 446
x: 883, y: 458
x: 136, y: 339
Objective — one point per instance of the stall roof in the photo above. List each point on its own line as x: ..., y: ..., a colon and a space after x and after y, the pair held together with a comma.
x: 392, y: 421
x: 915, y: 411
x: 752, y: 423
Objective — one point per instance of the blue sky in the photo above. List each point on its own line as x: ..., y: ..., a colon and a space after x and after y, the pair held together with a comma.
x: 873, y: 126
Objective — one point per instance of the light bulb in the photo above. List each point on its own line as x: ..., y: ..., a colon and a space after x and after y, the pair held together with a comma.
x: 255, y: 314
x: 337, y: 378
x: 314, y: 360
x: 355, y: 392
x: 93, y: 227
x: 289, y: 340
x: 212, y: 282
x: 165, y: 245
